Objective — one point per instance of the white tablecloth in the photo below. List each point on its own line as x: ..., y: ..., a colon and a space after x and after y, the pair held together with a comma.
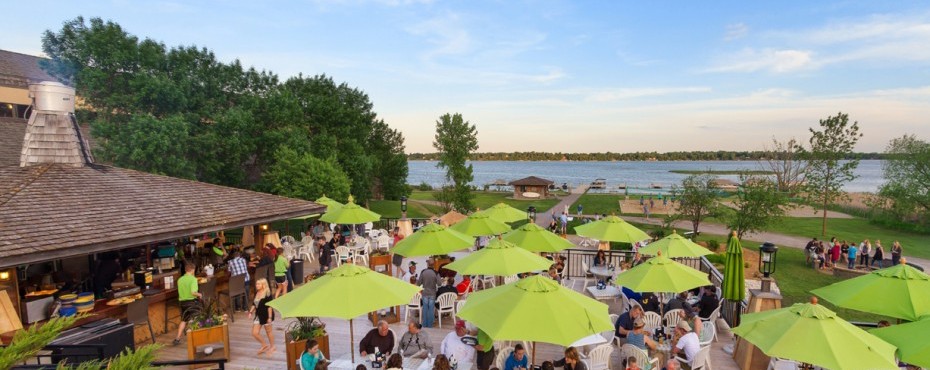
x: 428, y: 364
x: 589, y: 340
x: 609, y: 292
x: 344, y: 362
x: 602, y: 272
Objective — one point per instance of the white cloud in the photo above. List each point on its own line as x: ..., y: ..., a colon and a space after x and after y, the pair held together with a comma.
x: 736, y: 31
x: 608, y: 95
x: 445, y: 33
x: 773, y: 60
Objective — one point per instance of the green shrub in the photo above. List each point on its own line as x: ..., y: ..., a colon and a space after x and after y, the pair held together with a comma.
x: 713, y: 245
x: 424, y: 186
x: 716, y: 258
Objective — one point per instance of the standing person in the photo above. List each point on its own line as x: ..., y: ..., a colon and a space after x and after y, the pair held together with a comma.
x: 485, y: 349
x: 844, y: 252
x: 238, y: 266
x: 835, y: 253
x: 262, y: 316
x: 397, y: 259
x: 646, y: 211
x: 879, y: 255
x: 326, y: 253
x: 809, y: 250
x: 452, y: 345
x: 411, y: 275
x: 564, y: 221
x: 429, y: 280
x: 281, y: 265
x: 579, y: 212
x: 219, y: 252
x: 865, y: 249
x: 896, y: 251
x: 187, y: 295
x: 852, y: 255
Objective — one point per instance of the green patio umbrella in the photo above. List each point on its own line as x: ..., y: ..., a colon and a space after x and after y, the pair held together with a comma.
x: 499, y: 258
x: 345, y: 292
x: 900, y: 291
x: 675, y: 246
x: 734, y: 286
x: 812, y: 334
x: 480, y: 224
x: 349, y: 214
x: 611, y: 228
x: 329, y: 203
x: 433, y: 239
x: 534, y: 238
x: 660, y: 274
x: 505, y: 213
x: 910, y: 338
x: 536, y: 309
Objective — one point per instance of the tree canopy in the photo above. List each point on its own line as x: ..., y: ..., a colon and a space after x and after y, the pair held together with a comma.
x: 179, y: 111
x: 455, y: 140
x: 698, y: 199
x: 907, y: 178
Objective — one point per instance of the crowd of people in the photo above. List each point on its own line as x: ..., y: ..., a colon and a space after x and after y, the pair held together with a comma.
x: 865, y: 254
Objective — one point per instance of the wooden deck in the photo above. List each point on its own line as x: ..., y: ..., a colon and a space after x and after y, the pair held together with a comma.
x: 244, y: 346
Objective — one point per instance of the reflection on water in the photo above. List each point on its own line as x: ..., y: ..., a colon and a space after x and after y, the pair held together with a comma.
x: 639, y: 177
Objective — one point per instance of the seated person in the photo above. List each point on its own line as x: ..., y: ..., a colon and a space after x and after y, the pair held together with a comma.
x: 379, y: 337
x: 672, y: 364
x: 639, y: 337
x: 624, y: 323
x: 708, y: 302
x: 447, y: 287
x: 678, y: 302
x: 686, y: 343
x: 312, y: 355
x: 415, y: 340
x: 630, y: 294
x: 554, y: 273
x: 464, y: 286
x: 650, y: 302
x: 517, y: 359
x: 452, y: 345
x: 600, y: 259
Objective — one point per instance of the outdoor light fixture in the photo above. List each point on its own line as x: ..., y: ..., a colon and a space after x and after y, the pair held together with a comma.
x: 767, y: 252
x: 403, y: 204
x: 531, y: 212
x: 4, y: 275
x: 264, y: 227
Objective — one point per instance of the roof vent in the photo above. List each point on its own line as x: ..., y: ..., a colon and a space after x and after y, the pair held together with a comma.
x: 52, y: 96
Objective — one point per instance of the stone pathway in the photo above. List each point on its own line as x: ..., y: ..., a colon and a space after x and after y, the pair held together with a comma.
x: 543, y: 217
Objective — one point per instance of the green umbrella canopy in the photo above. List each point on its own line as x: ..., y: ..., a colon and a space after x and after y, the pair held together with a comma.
x: 675, y: 246
x: 345, y: 292
x: 505, y: 213
x: 499, y: 258
x: 812, y: 334
x: 534, y: 238
x: 349, y: 214
x: 734, y: 286
x: 910, y: 338
x: 536, y: 309
x: 611, y: 228
x: 329, y: 203
x: 663, y: 275
x: 480, y: 224
x: 433, y: 239
x: 900, y: 291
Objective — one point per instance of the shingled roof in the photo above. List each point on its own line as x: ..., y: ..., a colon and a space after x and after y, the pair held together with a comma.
x: 52, y: 211
x: 18, y: 70
x: 12, y: 131
x: 531, y: 181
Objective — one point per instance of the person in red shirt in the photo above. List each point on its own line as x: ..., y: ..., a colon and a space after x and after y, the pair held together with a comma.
x: 465, y: 285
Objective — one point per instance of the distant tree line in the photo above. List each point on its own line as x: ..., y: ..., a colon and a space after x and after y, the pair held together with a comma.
x: 180, y: 112
x: 637, y: 156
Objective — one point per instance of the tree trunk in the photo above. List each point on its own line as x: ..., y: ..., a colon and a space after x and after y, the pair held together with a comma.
x: 823, y: 231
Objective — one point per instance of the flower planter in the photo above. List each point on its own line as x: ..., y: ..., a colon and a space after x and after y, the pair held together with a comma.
x: 380, y: 263
x: 295, y: 348
x: 204, y: 336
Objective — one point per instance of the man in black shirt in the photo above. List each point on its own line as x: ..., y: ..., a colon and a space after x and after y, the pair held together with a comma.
x: 708, y: 302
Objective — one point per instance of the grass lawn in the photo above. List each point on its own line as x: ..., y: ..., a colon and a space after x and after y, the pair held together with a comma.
x: 598, y: 203
x: 856, y: 229
x: 391, y: 209
x: 484, y: 200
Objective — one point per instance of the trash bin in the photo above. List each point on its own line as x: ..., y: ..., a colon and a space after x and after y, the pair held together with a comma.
x: 297, y: 271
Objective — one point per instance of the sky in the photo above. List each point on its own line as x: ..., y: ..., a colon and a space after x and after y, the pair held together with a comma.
x: 570, y: 76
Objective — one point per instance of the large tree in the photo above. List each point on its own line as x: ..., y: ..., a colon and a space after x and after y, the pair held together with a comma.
x: 304, y: 176
x: 758, y: 204
x: 455, y: 140
x: 827, y: 171
x: 698, y: 199
x: 907, y: 178
x: 784, y: 162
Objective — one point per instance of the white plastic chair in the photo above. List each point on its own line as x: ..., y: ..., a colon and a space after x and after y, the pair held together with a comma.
x: 384, y: 242
x: 599, y: 357
x: 673, y: 317
x: 368, y: 227
x: 415, y: 304
x: 510, y: 279
x: 642, y: 357
x: 306, y: 248
x: 486, y: 280
x: 708, y: 332
x: 343, y: 254
x: 652, y: 320
x: 588, y: 277
x: 701, y: 359
x: 446, y: 305
x: 459, y: 305
x: 779, y: 364
x: 361, y: 257
x: 502, y: 356
x: 611, y: 335
x: 288, y: 239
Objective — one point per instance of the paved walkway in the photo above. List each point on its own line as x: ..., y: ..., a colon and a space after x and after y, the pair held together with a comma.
x: 543, y: 217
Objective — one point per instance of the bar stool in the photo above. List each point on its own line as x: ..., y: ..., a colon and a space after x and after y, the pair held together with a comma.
x: 236, y: 290
x: 137, y: 313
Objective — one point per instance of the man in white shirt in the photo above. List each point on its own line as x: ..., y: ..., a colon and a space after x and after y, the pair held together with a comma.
x: 452, y: 345
x: 688, y: 342
x: 410, y: 275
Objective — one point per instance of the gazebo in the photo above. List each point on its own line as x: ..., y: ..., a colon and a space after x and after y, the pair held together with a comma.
x: 530, y: 188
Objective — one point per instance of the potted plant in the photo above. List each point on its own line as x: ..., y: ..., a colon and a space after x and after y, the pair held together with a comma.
x: 298, y: 333
x: 207, y: 325
x: 379, y: 257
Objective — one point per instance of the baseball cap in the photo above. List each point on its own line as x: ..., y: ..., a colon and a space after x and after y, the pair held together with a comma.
x: 459, y: 324
x: 684, y: 326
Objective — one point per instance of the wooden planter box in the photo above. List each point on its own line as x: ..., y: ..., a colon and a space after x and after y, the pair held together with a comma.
x: 295, y: 348
x: 380, y: 263
x: 211, y: 335
x: 439, y: 262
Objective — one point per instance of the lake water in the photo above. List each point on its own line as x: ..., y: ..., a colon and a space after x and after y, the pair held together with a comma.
x: 638, y: 176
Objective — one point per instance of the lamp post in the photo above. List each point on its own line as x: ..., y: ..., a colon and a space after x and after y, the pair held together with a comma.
x: 767, y: 261
x: 531, y: 212
x: 403, y: 207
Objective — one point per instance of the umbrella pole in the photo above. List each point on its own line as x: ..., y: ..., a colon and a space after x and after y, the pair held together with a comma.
x: 533, y: 362
x: 352, y: 340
